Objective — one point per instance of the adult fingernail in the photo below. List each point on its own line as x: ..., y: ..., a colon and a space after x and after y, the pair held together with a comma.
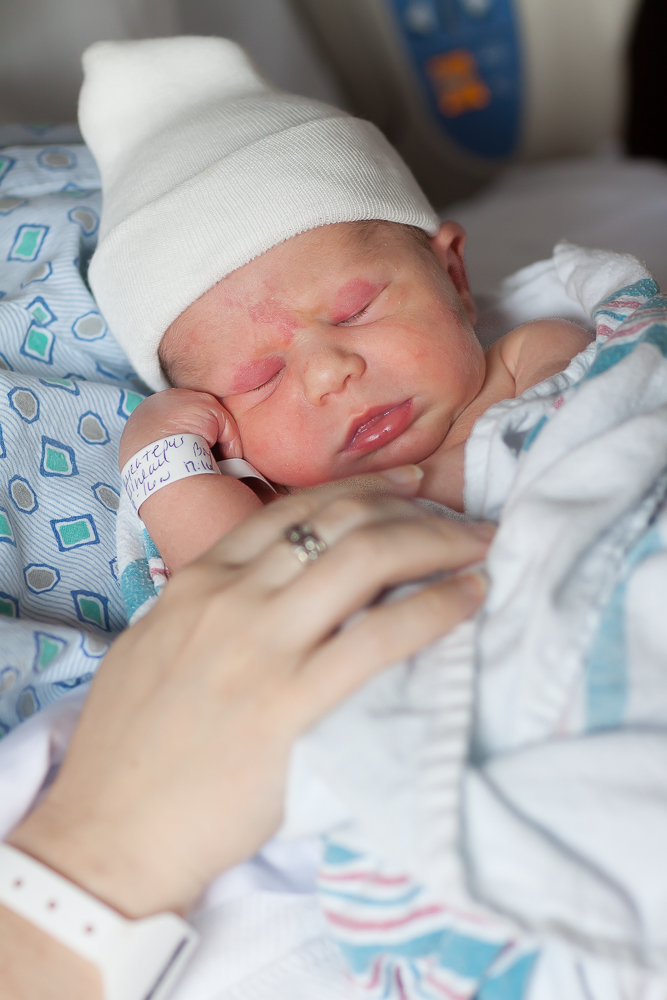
x: 484, y: 530
x: 475, y: 585
x: 405, y: 475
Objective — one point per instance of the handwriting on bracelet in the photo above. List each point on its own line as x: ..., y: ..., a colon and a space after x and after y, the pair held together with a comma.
x: 164, y: 462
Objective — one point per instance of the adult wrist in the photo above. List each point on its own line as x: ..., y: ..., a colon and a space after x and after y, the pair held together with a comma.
x: 37, y: 967
x: 101, y: 865
x: 135, y: 959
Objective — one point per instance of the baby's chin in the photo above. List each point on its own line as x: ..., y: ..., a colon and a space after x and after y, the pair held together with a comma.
x: 372, y: 463
x: 315, y: 464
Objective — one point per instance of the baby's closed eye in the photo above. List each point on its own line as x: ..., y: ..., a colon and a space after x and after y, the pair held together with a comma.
x: 272, y: 378
x: 354, y: 300
x: 357, y: 315
x: 255, y: 375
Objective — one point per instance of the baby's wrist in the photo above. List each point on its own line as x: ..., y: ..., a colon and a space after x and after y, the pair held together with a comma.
x: 164, y: 462
x: 136, y: 439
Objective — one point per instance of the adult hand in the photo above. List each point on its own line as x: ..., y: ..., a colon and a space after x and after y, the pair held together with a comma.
x: 177, y: 768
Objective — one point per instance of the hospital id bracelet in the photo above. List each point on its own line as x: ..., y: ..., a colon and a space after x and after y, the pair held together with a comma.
x: 164, y: 462
x: 137, y: 959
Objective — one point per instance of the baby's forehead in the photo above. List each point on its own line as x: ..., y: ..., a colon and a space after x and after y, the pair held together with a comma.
x: 367, y: 237
x: 340, y: 243
x: 273, y: 282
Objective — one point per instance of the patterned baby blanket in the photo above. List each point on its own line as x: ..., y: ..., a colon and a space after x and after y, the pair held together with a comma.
x: 66, y: 391
x: 495, y: 808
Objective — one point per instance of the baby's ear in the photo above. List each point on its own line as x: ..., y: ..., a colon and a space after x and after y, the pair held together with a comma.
x: 448, y: 245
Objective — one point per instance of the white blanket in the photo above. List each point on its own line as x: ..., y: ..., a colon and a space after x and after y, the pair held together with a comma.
x: 525, y: 839
x: 262, y: 943
x: 516, y: 850
x: 531, y: 829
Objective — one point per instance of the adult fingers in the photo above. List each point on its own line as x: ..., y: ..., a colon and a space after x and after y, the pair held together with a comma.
x: 280, y: 564
x: 383, y: 635
x: 365, y: 562
x: 244, y: 542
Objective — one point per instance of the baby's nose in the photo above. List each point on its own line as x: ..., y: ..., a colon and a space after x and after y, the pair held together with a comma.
x: 328, y: 369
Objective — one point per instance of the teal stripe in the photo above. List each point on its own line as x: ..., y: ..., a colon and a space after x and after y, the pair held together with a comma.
x: 136, y: 585
x: 606, y: 671
x: 369, y: 901
x: 609, y: 357
x: 457, y: 953
x: 613, y: 352
x: 645, y: 288
x: 609, y: 312
x: 511, y: 984
x: 334, y: 854
x: 151, y: 548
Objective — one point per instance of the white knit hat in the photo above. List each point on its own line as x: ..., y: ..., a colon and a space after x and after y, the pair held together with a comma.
x: 204, y: 167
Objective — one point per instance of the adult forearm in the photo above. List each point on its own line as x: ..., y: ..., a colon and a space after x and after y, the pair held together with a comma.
x: 34, y: 966
x: 177, y: 767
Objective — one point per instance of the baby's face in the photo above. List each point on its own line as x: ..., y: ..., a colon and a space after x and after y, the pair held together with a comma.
x: 346, y: 349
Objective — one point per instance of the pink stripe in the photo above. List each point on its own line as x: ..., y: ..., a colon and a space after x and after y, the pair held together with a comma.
x: 376, y: 974
x: 624, y: 303
x: 399, y: 982
x: 628, y: 331
x: 476, y: 919
x: 445, y: 990
x: 368, y: 925
x: 367, y: 877
x: 646, y: 317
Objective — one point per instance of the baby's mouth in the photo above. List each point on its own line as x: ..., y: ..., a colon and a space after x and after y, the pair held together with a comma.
x: 378, y: 426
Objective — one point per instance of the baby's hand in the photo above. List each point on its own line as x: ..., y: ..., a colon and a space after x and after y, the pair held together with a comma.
x: 180, y: 411
x: 185, y: 519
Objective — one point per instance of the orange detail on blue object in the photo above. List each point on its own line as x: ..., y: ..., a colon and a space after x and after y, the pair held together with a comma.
x: 457, y: 83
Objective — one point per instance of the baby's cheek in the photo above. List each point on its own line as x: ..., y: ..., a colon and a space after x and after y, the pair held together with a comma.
x: 286, y: 450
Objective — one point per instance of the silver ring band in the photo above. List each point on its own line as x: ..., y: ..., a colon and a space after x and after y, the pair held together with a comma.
x: 306, y: 544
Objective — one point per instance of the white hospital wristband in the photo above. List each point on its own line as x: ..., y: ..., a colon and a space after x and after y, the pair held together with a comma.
x: 137, y: 959
x: 164, y: 462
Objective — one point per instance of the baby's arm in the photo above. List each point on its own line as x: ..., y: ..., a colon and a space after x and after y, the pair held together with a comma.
x: 522, y: 358
x: 185, y: 518
x: 535, y: 351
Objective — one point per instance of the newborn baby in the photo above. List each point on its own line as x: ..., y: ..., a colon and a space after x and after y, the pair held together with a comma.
x: 274, y: 261
x: 346, y: 349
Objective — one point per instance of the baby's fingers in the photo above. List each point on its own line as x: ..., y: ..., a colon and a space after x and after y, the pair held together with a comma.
x: 383, y: 635
x: 228, y: 435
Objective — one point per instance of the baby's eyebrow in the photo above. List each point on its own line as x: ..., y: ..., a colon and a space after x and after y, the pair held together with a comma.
x: 253, y: 374
x: 352, y: 297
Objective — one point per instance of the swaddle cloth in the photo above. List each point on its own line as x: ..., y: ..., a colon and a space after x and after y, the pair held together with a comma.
x: 494, y: 809
x: 66, y: 391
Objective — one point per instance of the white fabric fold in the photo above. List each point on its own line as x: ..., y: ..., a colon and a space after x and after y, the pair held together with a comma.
x: 387, y: 765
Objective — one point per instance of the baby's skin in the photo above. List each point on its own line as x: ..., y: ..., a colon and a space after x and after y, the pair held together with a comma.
x: 347, y: 349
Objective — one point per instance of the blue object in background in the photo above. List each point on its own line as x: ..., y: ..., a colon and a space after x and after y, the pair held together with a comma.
x: 466, y: 55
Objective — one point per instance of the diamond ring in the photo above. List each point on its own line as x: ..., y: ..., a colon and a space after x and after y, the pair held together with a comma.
x: 306, y: 544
